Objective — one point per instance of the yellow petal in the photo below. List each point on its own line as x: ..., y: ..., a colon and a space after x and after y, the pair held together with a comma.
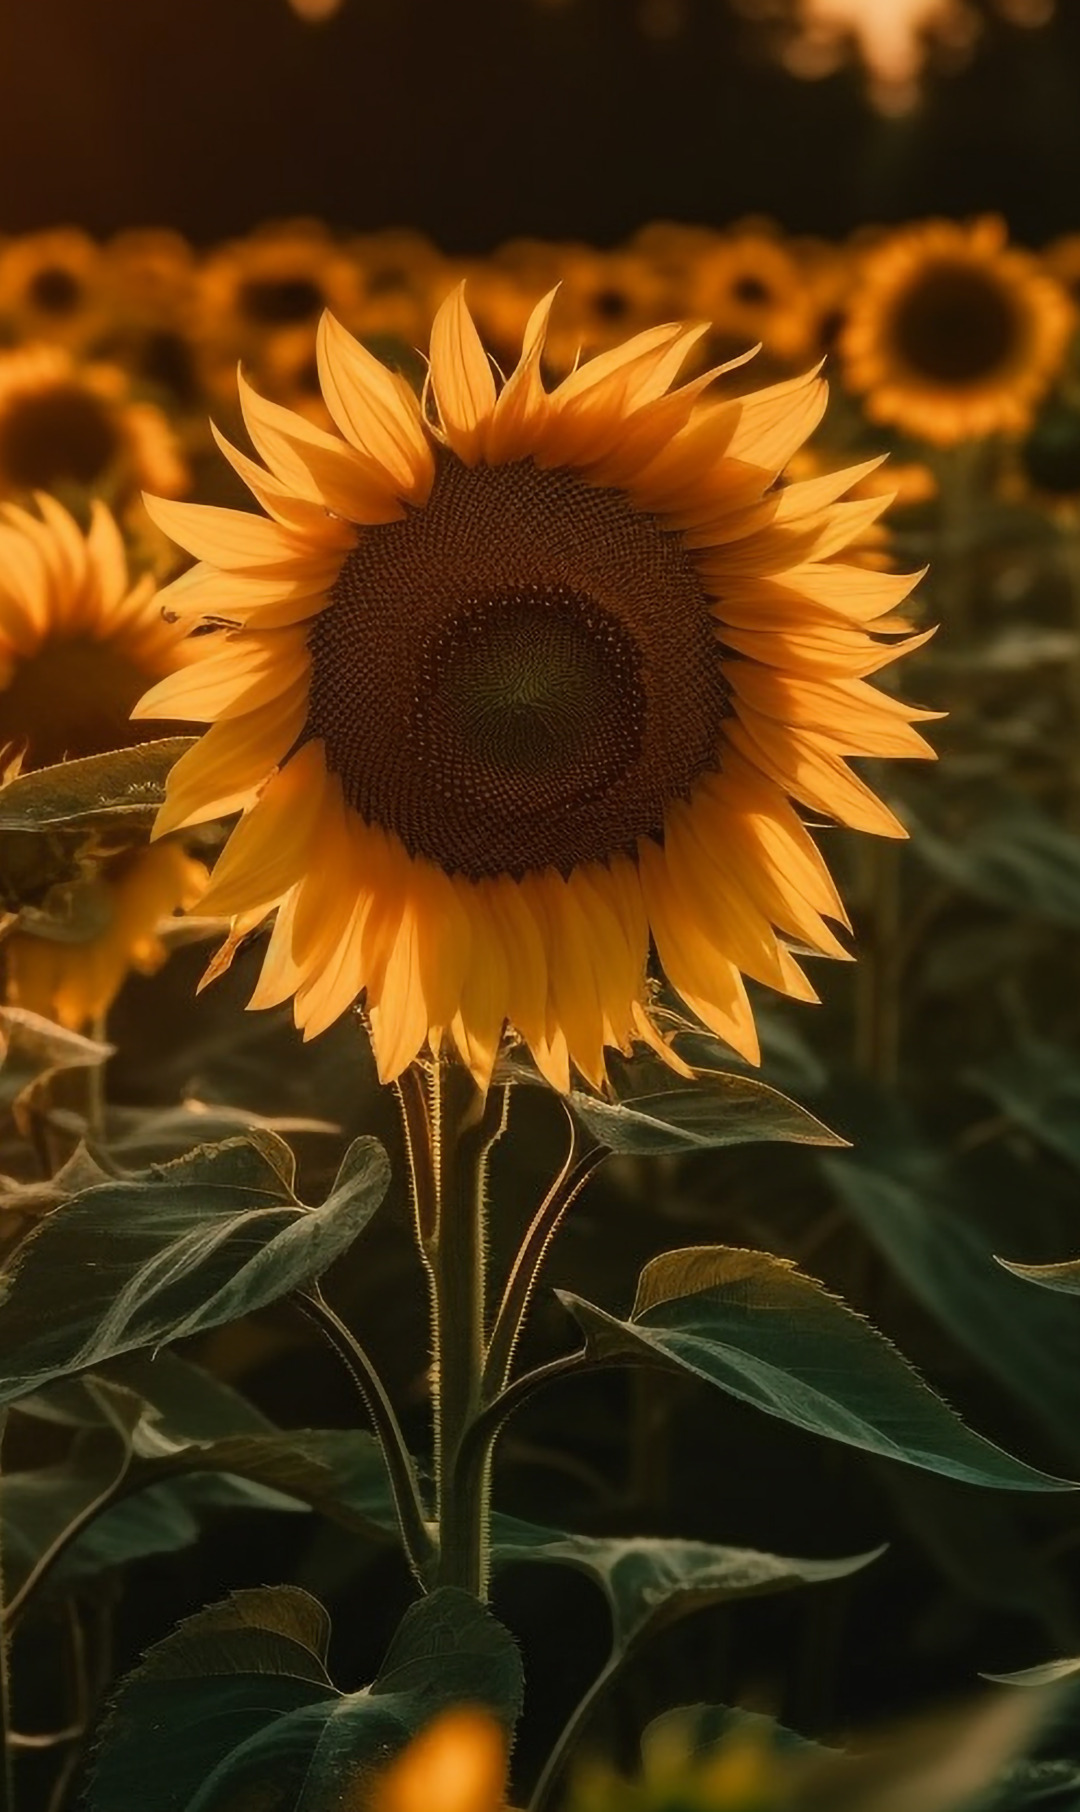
x: 375, y: 410
x: 461, y: 377
x: 267, y: 853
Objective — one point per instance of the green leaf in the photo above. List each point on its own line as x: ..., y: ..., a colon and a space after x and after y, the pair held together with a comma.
x: 125, y: 785
x: 942, y: 1763
x: 137, y: 1136
x: 659, y: 1112
x: 139, y: 1472
x: 34, y: 1050
x: 1037, y: 1084
x: 1047, y: 1673
x: 919, y: 1222
x: 693, y: 1733
x: 188, y: 1246
x: 240, y: 1701
x: 650, y: 1582
x: 774, y: 1338
x: 1017, y: 859
x: 1064, y: 1277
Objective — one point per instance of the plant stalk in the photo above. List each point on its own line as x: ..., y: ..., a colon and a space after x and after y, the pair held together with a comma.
x: 464, y: 1128
x: 415, y: 1533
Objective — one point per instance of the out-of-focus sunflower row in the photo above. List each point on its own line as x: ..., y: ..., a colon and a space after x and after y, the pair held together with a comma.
x: 111, y: 355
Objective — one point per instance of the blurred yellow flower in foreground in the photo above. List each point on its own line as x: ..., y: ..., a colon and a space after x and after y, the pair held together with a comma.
x: 458, y: 1764
x: 78, y: 643
x: 519, y: 683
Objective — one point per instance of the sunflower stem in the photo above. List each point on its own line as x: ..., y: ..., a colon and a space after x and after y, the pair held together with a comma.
x: 580, y: 1162
x: 415, y: 1534
x: 463, y: 1128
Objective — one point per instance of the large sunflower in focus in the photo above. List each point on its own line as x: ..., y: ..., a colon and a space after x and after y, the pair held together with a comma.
x: 524, y: 680
x: 78, y: 643
x: 953, y: 334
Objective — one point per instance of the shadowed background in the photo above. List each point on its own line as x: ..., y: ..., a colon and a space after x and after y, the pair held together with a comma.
x: 482, y: 119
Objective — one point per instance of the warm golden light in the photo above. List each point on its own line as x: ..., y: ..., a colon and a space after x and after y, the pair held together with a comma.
x: 315, y: 10
x: 892, y: 39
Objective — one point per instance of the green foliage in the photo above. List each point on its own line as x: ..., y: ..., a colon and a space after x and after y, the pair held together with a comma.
x: 765, y: 1333
x: 97, y: 792
x: 33, y: 1051
x: 1015, y: 858
x: 650, y: 1582
x: 186, y: 1246
x: 51, y: 817
x: 239, y: 1699
x: 670, y: 1115
x: 917, y: 1214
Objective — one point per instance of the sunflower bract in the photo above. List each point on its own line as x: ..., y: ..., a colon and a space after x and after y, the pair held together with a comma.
x: 521, y: 685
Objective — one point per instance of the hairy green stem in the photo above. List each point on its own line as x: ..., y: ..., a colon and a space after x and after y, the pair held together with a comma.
x: 577, y: 1168
x: 415, y: 1534
x: 464, y: 1129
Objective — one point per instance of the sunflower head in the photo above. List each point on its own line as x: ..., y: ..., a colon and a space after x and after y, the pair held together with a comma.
x: 750, y: 287
x: 67, y: 424
x: 78, y: 644
x: 53, y: 288
x: 952, y: 334
x: 519, y: 686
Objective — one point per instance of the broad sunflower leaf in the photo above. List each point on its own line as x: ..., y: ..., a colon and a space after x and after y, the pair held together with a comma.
x: 137, y: 1136
x: 657, y: 1112
x: 123, y: 1477
x: 123, y: 786
x: 653, y: 1581
x: 918, y: 1221
x: 775, y: 1338
x: 240, y: 1699
x: 189, y: 1245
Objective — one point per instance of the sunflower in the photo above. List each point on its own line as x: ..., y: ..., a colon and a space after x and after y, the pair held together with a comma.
x: 403, y: 279
x: 53, y: 288
x: 65, y: 423
x: 1062, y: 259
x: 78, y: 643
x: 276, y: 281
x: 750, y: 286
x: 604, y: 297
x: 150, y: 279
x: 519, y: 681
x: 456, y: 1764
x: 952, y: 334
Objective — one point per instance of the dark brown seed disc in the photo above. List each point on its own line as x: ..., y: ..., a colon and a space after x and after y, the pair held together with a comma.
x: 521, y: 674
x: 59, y: 433
x: 955, y: 324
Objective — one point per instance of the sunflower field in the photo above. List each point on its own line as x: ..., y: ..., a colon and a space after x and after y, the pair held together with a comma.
x: 539, y: 919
